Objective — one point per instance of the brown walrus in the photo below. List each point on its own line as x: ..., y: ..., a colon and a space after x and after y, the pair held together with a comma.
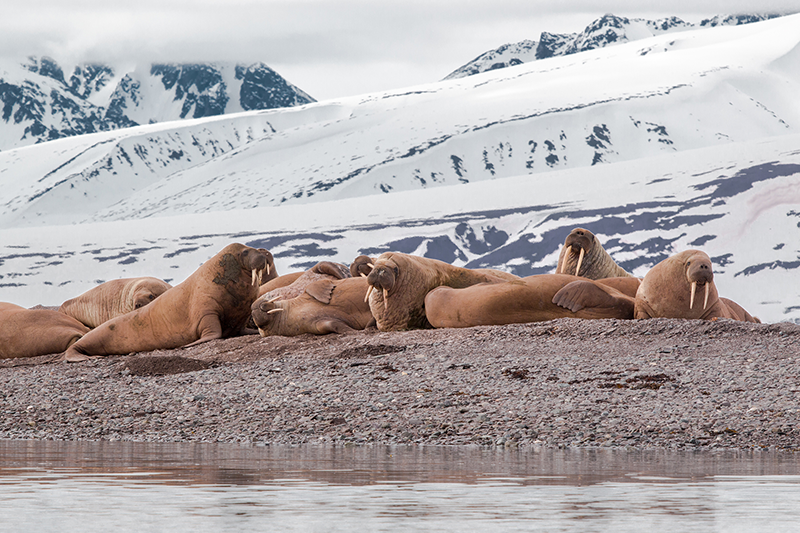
x: 113, y: 298
x: 362, y: 266
x: 292, y: 285
x: 33, y: 332
x: 403, y: 280
x: 682, y: 286
x: 212, y: 303
x: 530, y: 299
x: 583, y: 255
x: 326, y: 306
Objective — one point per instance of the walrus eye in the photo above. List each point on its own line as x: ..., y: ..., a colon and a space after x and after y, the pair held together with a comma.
x: 151, y: 297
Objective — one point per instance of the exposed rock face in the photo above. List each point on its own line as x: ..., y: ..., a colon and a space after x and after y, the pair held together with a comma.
x: 606, y: 31
x: 40, y: 103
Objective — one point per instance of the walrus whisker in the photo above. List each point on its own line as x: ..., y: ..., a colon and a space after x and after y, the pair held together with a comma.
x: 580, y: 260
x: 705, y: 301
x: 369, y: 291
x: 276, y: 310
x: 691, y: 298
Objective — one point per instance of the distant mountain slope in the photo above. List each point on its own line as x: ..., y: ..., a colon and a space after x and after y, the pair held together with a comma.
x: 654, y: 96
x: 40, y: 103
x: 605, y: 31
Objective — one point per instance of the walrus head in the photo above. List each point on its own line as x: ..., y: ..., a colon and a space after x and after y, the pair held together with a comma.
x: 361, y: 266
x: 579, y: 241
x: 264, y: 312
x: 383, y: 277
x: 145, y: 290
x: 237, y: 260
x: 699, y: 273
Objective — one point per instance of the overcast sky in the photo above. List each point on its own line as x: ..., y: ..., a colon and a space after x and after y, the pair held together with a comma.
x: 328, y: 48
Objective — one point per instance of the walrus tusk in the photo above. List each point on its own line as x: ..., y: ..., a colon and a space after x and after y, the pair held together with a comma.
x: 258, y: 277
x: 580, y: 260
x: 691, y: 298
x: 385, y: 296
x: 370, y: 265
x: 254, y: 277
x: 274, y: 299
x: 369, y: 291
x: 363, y: 275
x: 276, y: 310
x: 268, y: 269
x: 705, y: 302
x: 562, y: 267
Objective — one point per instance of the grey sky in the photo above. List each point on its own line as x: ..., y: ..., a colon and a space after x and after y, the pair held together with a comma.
x: 328, y: 48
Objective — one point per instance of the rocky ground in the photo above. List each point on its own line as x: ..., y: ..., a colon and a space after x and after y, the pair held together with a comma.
x: 640, y: 384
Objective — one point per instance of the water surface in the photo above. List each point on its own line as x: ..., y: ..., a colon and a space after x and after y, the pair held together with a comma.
x: 58, y: 486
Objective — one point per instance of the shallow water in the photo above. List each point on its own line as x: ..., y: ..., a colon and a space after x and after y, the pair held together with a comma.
x: 57, y: 486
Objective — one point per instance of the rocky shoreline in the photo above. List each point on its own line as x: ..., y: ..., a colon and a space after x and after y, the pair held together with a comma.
x: 661, y: 383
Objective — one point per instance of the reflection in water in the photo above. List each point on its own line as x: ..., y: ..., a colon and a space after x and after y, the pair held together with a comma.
x: 203, y: 487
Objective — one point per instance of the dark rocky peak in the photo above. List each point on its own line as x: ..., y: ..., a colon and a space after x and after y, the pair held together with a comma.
x: 667, y: 24
x: 606, y: 30
x: 89, y: 78
x: 45, y: 66
x: 554, y: 44
x: 263, y: 88
x: 736, y: 20
x: 200, y: 86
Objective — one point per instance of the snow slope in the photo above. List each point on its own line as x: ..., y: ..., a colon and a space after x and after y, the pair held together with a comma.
x: 697, y: 136
x: 654, y: 96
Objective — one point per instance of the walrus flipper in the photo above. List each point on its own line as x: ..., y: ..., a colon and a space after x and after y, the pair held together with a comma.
x: 321, y: 290
x: 209, y: 329
x: 335, y: 270
x: 332, y: 326
x: 582, y: 294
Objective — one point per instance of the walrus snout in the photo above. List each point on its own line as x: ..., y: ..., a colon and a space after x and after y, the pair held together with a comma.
x: 262, y: 311
x: 361, y: 266
x: 382, y: 277
x: 143, y: 299
x: 699, y: 271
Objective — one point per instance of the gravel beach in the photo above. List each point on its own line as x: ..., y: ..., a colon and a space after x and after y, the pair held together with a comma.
x: 658, y: 383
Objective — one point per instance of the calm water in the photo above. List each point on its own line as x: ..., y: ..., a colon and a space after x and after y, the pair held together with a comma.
x: 50, y: 486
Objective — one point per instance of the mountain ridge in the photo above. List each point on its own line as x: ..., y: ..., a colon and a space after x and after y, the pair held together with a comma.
x: 45, y: 104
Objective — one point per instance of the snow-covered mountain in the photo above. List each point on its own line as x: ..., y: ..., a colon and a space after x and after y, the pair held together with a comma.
x: 40, y: 103
x: 605, y: 31
x: 675, y: 141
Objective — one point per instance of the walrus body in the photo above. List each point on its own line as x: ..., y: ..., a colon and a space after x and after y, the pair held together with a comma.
x: 326, y: 306
x: 530, y: 299
x: 212, y: 303
x: 33, y: 332
x: 682, y: 286
x: 583, y: 255
x: 297, y: 281
x: 402, y: 281
x: 113, y: 298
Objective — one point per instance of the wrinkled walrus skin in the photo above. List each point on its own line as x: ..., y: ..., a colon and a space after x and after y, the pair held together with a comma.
x: 682, y: 286
x: 326, y: 306
x: 401, y: 282
x: 214, y: 302
x: 33, y: 332
x: 583, y: 255
x: 113, y: 298
x: 531, y: 299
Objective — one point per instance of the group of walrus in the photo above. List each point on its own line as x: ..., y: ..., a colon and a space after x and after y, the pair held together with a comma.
x: 238, y: 291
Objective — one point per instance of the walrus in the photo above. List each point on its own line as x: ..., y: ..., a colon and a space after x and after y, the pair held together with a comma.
x: 530, y: 299
x: 214, y: 302
x: 682, y: 286
x: 34, y: 332
x: 113, y: 298
x: 583, y: 255
x: 292, y: 285
x: 326, y: 306
x: 403, y: 280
